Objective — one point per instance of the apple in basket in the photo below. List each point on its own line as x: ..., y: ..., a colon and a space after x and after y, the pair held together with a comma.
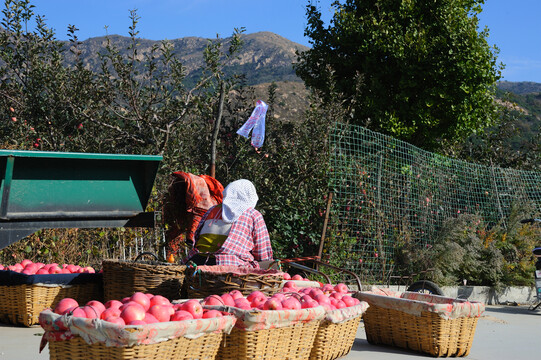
x: 291, y: 303
x: 91, y: 312
x: 112, y: 312
x: 160, y: 312
x: 132, y: 312
x: 97, y: 305
x: 150, y: 319
x: 159, y: 300
x: 350, y: 301
x: 207, y: 314
x: 287, y: 276
x: 236, y: 294
x: 256, y: 298
x: 194, y: 307
x: 113, y: 304
x: 65, y: 304
x: 341, y: 288
x: 214, y: 300
x: 290, y: 286
x: 228, y: 299
x: 76, y: 312
x: 273, y: 303
x: 141, y: 299
x: 180, y: 315
x: 116, y: 320
x: 243, y: 303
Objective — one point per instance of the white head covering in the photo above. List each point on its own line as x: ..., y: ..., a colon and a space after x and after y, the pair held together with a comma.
x: 238, y: 196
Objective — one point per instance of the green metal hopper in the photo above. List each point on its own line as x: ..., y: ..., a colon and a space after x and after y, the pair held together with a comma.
x: 73, y: 190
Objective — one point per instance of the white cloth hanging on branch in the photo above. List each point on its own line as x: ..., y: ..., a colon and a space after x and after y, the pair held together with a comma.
x: 257, y: 123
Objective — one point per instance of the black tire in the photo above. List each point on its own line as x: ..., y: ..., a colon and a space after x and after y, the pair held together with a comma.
x: 425, y: 287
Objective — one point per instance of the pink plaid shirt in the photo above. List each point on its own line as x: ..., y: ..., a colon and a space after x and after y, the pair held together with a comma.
x: 247, y: 243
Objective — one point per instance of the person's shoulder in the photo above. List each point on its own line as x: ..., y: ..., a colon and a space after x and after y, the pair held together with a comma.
x: 252, y: 212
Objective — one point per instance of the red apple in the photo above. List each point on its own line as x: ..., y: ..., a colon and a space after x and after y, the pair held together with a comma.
x: 159, y: 300
x: 77, y: 312
x: 348, y: 300
x: 211, y: 314
x: 180, y: 315
x: 160, y: 312
x: 323, y: 299
x: 65, y: 304
x: 113, y: 304
x: 296, y: 277
x: 91, y: 312
x: 315, y: 292
x: 309, y: 304
x: 272, y: 304
x: 279, y: 296
x: 236, y: 294
x: 55, y: 270
x: 287, y: 276
x: 96, y: 305
x: 213, y: 300
x: 25, y: 262
x: 327, y: 288
x: 137, y: 322
x: 194, y: 307
x: 243, y: 303
x: 133, y: 312
x: 150, y: 319
x: 141, y: 299
x: 110, y: 313
x: 291, y: 303
x: 341, y: 288
x: 256, y: 299
x: 130, y: 303
x: 89, y: 269
x: 42, y: 271
x: 336, y: 295
x: 116, y: 320
x: 228, y: 299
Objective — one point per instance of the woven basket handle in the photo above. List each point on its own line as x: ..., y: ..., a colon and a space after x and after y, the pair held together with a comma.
x: 145, y: 253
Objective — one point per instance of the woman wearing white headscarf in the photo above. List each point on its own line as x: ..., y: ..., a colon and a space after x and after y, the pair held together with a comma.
x: 234, y: 232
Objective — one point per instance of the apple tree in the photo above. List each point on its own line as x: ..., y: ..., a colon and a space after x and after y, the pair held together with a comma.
x: 418, y: 70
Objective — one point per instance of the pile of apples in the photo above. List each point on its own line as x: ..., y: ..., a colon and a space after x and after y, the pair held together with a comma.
x: 138, y: 309
x: 331, y: 297
x: 29, y: 267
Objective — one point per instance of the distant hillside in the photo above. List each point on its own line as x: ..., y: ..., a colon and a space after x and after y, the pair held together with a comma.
x: 265, y: 56
x: 519, y: 88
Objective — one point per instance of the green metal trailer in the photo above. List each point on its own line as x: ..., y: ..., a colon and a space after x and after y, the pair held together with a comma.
x: 73, y: 190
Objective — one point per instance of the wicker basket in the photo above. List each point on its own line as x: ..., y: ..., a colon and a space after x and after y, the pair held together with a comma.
x: 124, y: 278
x: 292, y: 342
x: 204, y: 347
x: 78, y: 338
x: 424, y: 329
x: 335, y: 337
x: 202, y: 281
x: 270, y: 334
x: 21, y: 304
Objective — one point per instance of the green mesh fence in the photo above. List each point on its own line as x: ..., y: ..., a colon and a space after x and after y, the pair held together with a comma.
x: 385, y: 189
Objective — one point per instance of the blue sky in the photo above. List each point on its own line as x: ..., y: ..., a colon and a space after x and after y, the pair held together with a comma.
x: 515, y: 26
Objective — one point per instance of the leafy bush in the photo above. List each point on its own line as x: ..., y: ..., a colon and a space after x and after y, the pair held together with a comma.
x: 466, y: 248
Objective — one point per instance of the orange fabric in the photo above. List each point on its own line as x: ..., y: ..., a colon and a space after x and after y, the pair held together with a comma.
x: 216, y: 189
x: 202, y: 192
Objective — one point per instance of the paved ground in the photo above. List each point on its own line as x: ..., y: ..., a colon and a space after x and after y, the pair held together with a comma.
x: 504, y: 332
